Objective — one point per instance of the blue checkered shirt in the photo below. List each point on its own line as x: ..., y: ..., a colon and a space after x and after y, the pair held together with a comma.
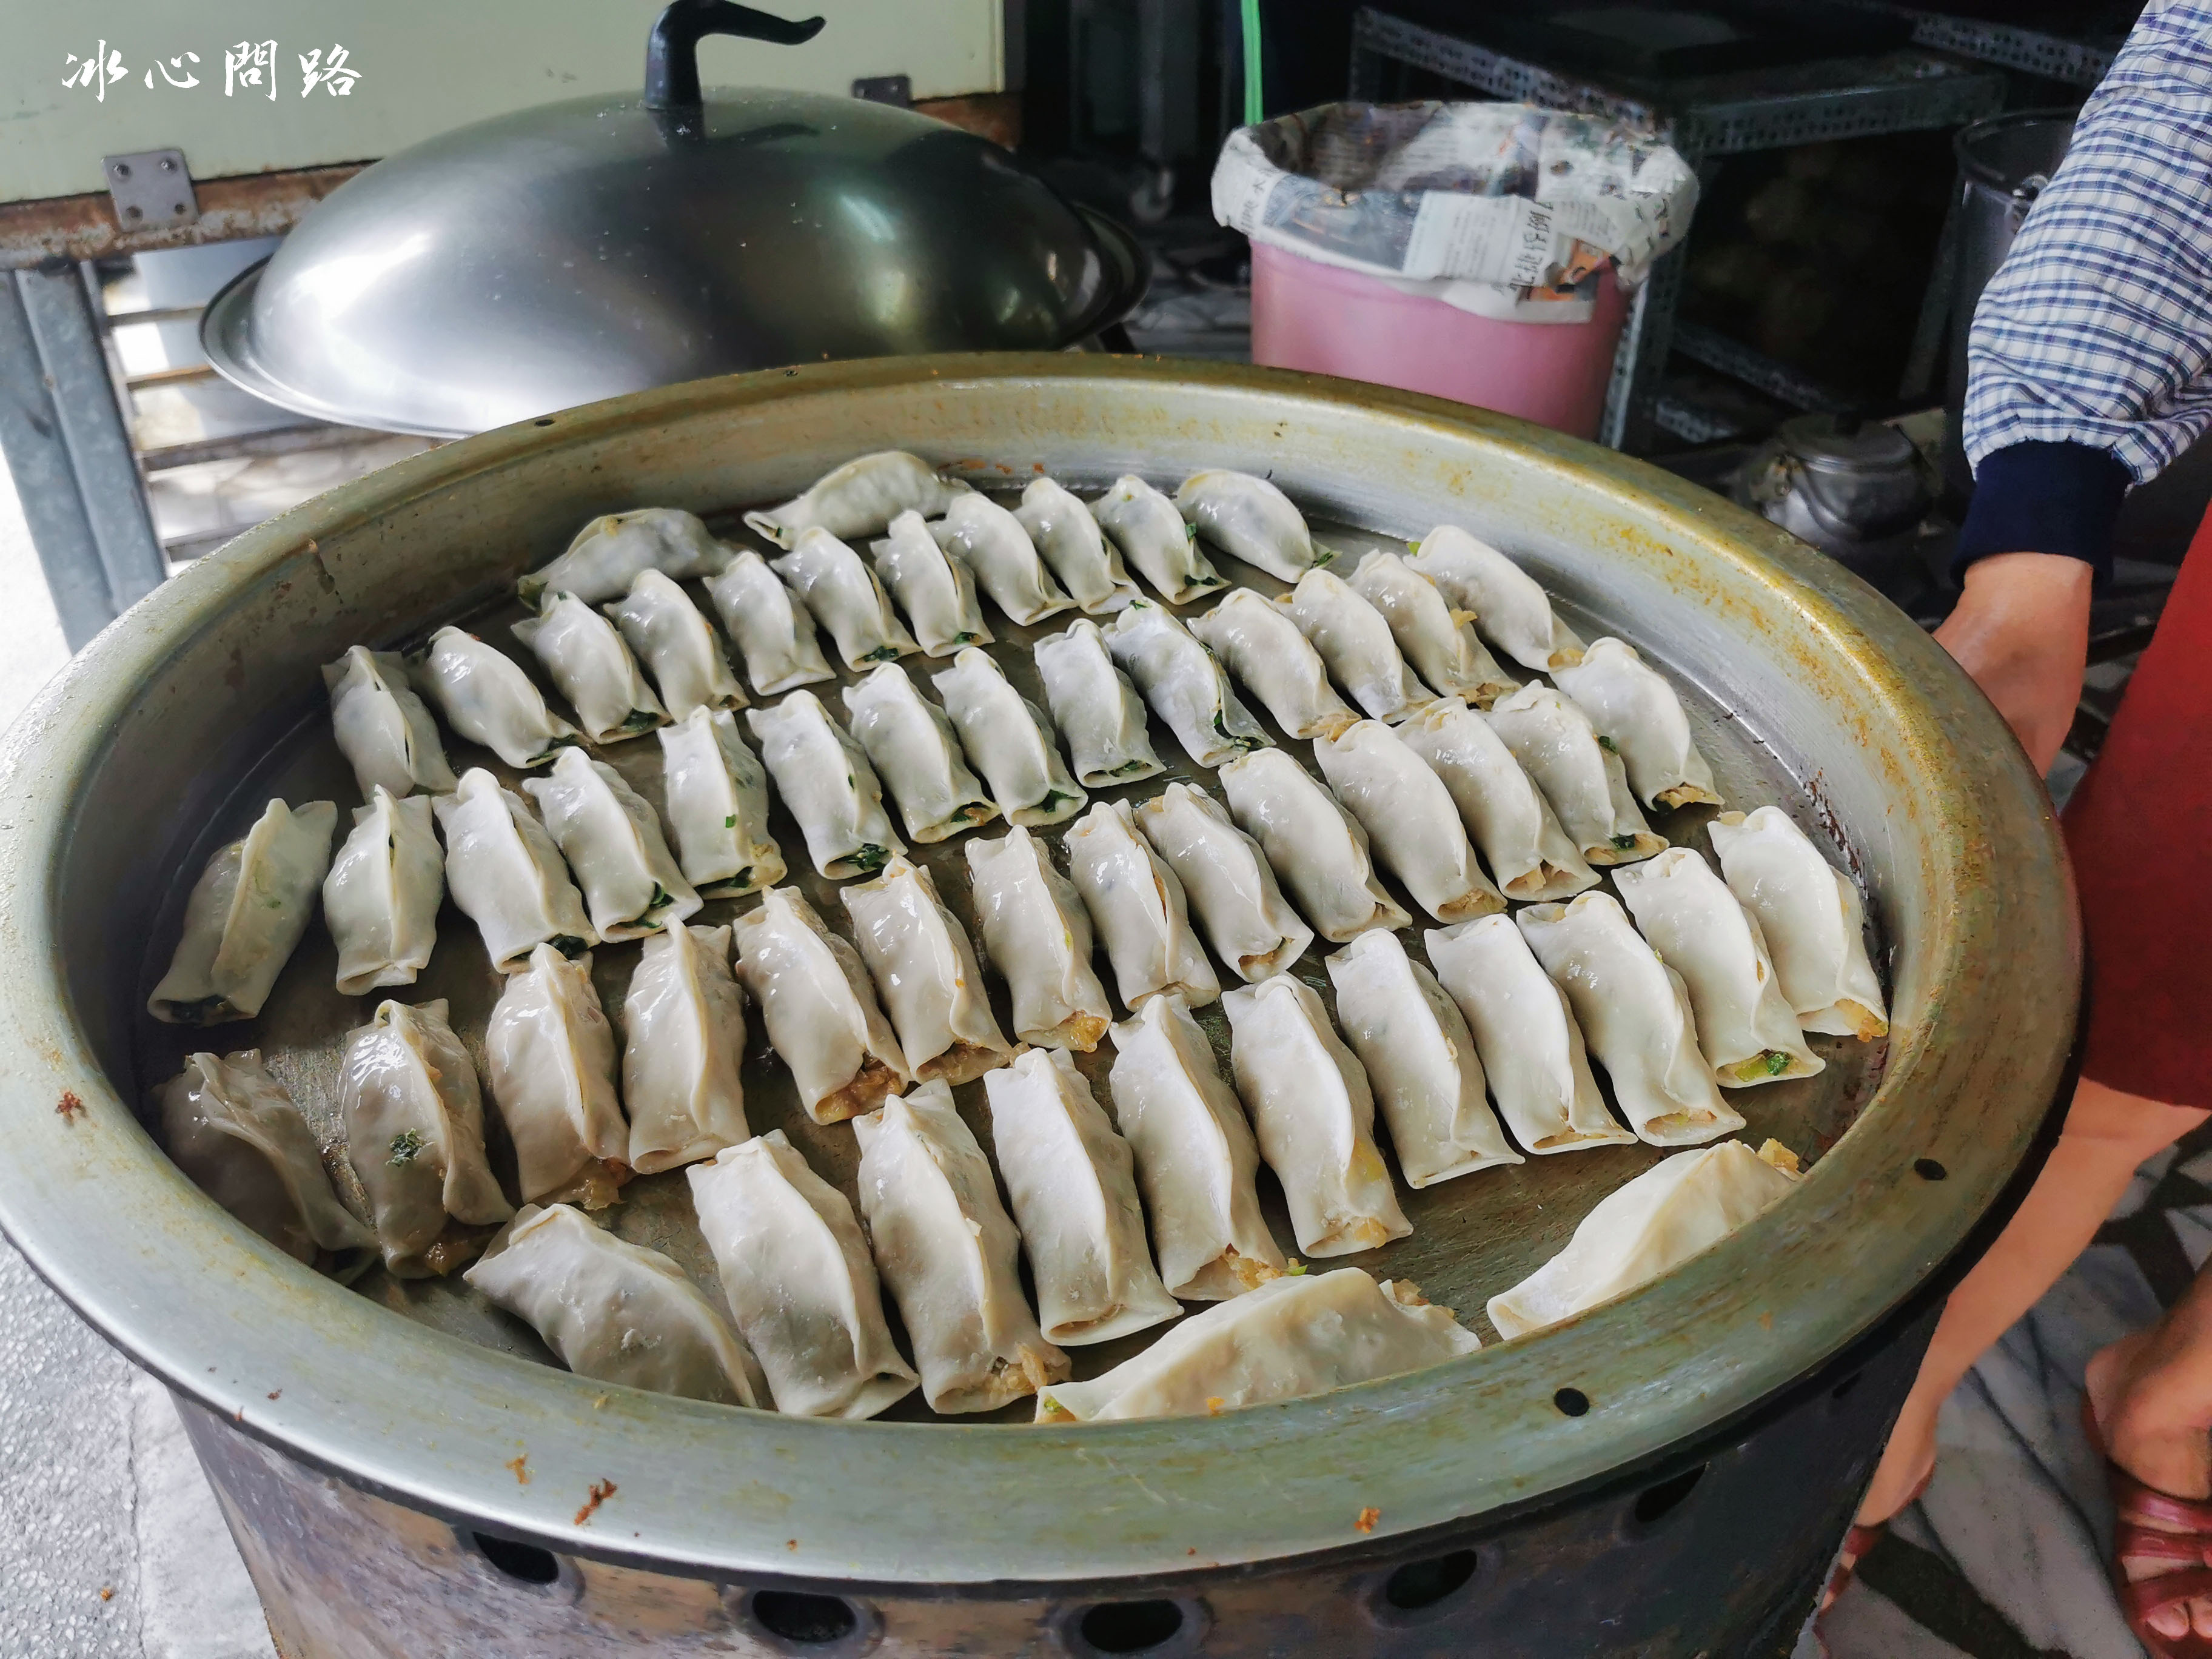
x: 2097, y: 330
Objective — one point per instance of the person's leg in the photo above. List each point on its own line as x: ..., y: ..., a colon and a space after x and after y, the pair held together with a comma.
x: 2151, y: 1395
x: 2107, y: 1134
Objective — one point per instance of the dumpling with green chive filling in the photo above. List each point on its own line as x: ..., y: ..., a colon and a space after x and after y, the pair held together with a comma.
x: 826, y: 781
x: 592, y: 666
x: 488, y: 700
x: 916, y: 751
x: 716, y: 792
x: 1580, y: 773
x: 506, y: 875
x: 1010, y: 741
x: 1184, y: 683
x: 1095, y: 706
x: 612, y: 837
x: 936, y: 591
x: 1158, y: 545
x: 1249, y: 519
x: 845, y: 597
x: 1746, y: 1029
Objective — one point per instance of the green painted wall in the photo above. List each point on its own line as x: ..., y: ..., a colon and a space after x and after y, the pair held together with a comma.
x: 425, y: 66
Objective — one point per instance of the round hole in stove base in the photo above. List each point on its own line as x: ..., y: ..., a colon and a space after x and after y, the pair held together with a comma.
x: 1421, y: 1591
x: 807, y: 1625
x: 1153, y: 1629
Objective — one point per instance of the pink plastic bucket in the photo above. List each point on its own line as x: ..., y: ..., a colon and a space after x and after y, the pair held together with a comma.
x: 1327, y: 320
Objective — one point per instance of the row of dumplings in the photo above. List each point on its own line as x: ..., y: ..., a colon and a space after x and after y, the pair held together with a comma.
x: 801, y: 1276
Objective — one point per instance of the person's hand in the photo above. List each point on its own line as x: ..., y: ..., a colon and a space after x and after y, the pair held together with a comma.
x: 2021, y: 628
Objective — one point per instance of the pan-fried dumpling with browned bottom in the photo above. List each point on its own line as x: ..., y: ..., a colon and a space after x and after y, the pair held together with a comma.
x: 683, y: 1048
x: 235, y: 1130
x: 1289, y: 1339
x: 819, y: 1008
x: 1230, y: 887
x: 1277, y: 664
x: 1439, y: 643
x: 1678, y: 1208
x: 1746, y: 1029
x: 1811, y: 917
x: 948, y: 1251
x: 1510, y: 610
x: 1530, y: 857
x: 1552, y: 737
x: 1138, y: 908
x: 923, y: 965
x: 1313, y: 1114
x: 1071, y: 1184
x: 549, y: 1058
x: 615, y: 1311
x: 245, y: 915
x: 1525, y: 1033
x: 1411, y: 820
x: 1420, y: 1060
x: 796, y: 1272
x: 1196, y: 1159
x: 1636, y: 1011
x: 1354, y: 639
x: 1640, y: 716
x: 414, y: 1129
x: 911, y: 743
x: 1038, y: 936
x: 1317, y: 849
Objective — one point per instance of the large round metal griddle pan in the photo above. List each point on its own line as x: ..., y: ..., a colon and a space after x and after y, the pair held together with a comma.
x: 1799, y: 675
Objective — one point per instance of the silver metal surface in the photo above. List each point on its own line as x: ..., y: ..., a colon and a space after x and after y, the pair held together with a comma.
x: 585, y: 249
x: 1837, y: 481
x: 163, y: 731
x: 150, y: 189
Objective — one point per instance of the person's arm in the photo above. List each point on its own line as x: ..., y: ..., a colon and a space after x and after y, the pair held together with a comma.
x: 2088, y: 371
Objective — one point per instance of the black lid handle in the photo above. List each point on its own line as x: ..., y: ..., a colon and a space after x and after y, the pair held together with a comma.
x: 672, y: 51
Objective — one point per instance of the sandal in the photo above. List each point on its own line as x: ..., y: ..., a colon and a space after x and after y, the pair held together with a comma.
x: 1860, y: 1539
x: 2184, y: 1534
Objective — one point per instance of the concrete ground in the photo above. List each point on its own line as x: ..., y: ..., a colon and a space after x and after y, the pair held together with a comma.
x: 110, y: 1545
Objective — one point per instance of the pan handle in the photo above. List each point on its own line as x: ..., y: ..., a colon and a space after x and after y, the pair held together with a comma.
x: 672, y: 51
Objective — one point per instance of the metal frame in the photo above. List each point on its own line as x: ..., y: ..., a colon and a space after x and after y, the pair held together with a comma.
x: 1704, y: 119
x: 70, y: 453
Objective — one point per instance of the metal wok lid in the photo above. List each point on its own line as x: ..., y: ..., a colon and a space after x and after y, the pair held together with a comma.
x: 585, y: 249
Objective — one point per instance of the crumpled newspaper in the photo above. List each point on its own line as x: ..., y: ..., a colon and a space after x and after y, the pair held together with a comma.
x: 1526, y: 203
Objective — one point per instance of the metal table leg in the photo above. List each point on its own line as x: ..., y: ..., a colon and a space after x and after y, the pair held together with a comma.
x: 67, y: 448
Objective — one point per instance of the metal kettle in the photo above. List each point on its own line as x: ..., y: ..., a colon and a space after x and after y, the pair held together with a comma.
x: 1853, y: 488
